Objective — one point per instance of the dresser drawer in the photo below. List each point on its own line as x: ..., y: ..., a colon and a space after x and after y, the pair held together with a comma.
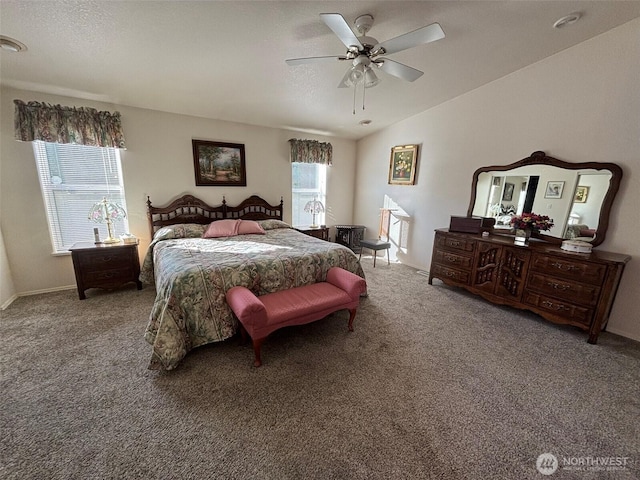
x: 568, y: 268
x: 573, y: 313
x: 451, y: 242
x: 443, y: 272
x: 453, y: 259
x: 103, y: 260
x: 567, y: 290
x: 110, y: 277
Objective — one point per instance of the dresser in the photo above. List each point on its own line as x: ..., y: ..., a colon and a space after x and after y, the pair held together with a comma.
x: 320, y: 232
x: 105, y: 265
x: 569, y: 288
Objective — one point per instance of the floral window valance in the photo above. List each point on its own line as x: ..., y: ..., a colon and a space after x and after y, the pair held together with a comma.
x: 59, y: 124
x: 310, y: 151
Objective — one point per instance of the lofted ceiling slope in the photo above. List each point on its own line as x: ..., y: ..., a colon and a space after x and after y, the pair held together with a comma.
x: 226, y: 59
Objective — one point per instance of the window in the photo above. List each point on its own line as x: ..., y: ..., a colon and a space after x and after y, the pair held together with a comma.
x: 309, y: 181
x: 73, y: 178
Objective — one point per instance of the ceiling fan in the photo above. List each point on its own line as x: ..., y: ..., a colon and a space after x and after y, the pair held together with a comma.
x: 364, y: 52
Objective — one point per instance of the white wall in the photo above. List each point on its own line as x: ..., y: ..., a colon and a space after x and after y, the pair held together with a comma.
x: 158, y: 162
x: 580, y: 105
x: 7, y: 288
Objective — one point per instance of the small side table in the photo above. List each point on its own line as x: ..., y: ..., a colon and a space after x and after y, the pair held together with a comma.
x: 321, y: 232
x: 105, y: 265
x: 350, y: 236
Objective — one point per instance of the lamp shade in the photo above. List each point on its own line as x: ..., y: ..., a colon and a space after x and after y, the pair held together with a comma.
x: 314, y: 206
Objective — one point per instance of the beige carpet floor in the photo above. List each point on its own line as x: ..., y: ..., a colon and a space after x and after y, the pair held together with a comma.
x: 433, y: 383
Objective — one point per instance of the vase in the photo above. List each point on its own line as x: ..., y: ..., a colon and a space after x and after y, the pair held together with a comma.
x: 522, y: 236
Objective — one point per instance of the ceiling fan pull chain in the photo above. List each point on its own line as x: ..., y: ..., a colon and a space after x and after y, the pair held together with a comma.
x: 355, y: 89
x: 364, y: 89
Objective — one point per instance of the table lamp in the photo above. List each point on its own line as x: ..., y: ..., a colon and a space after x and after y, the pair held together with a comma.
x: 107, y: 212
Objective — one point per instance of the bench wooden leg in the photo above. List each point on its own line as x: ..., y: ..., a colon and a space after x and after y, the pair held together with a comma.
x: 352, y: 315
x: 243, y: 333
x: 256, y: 349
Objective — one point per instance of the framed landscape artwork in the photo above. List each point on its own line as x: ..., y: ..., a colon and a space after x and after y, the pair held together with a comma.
x: 403, y: 163
x: 219, y: 164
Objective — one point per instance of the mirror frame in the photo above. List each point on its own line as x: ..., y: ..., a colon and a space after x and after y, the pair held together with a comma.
x: 540, y: 158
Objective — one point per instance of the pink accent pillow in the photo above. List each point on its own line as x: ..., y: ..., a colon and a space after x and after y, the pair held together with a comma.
x: 246, y: 227
x: 221, y: 228
x: 231, y: 228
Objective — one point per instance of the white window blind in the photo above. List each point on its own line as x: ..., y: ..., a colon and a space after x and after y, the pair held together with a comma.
x: 309, y: 181
x: 73, y: 178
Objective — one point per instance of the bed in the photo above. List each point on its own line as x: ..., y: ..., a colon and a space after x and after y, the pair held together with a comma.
x: 191, y: 274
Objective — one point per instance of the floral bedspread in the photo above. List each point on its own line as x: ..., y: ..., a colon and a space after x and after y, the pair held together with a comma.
x: 192, y: 275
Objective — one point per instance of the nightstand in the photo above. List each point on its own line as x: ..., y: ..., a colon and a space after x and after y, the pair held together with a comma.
x: 321, y: 232
x: 105, y: 265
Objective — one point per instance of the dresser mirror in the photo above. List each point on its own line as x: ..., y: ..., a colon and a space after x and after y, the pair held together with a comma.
x: 577, y: 196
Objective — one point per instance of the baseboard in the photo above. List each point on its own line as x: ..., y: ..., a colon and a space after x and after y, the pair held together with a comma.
x: 8, y: 302
x: 35, y: 292
x: 623, y: 333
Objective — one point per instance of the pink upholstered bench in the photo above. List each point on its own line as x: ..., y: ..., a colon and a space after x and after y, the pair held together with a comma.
x: 259, y: 316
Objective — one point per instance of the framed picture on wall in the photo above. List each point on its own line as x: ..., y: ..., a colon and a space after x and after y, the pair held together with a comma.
x: 507, y: 194
x: 581, y: 194
x: 554, y: 190
x: 219, y: 164
x: 403, y: 163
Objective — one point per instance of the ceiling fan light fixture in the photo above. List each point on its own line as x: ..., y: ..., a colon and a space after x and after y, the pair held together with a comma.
x: 357, y: 74
x: 370, y: 78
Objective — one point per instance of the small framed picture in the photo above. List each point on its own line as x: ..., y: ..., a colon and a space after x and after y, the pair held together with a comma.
x: 581, y: 194
x: 219, y: 164
x: 554, y: 190
x: 507, y: 194
x: 402, y: 166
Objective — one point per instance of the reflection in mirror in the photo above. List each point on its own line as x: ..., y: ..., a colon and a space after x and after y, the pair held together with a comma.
x: 588, y: 198
x: 577, y: 196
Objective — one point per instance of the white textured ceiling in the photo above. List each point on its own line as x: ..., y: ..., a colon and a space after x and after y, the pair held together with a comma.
x: 226, y: 60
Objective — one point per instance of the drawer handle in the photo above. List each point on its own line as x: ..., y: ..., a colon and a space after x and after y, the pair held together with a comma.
x: 557, y: 286
x: 451, y: 274
x: 454, y: 243
x: 107, y: 258
x: 554, y: 306
x: 107, y: 275
x: 563, y: 266
x: 451, y: 259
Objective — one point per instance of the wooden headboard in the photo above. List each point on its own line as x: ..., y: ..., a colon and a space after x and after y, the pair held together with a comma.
x: 189, y: 209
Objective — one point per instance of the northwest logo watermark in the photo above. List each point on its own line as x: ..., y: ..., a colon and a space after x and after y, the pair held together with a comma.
x: 548, y: 463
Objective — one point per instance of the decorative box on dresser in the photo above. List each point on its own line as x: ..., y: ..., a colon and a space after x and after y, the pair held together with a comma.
x: 105, y: 265
x: 563, y: 287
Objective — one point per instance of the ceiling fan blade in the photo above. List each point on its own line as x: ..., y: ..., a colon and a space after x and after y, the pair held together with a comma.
x: 340, y: 27
x: 423, y: 35
x: 300, y: 61
x: 398, y: 69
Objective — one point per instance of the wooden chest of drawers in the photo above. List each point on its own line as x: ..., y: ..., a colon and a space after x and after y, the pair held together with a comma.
x: 105, y: 265
x: 563, y: 287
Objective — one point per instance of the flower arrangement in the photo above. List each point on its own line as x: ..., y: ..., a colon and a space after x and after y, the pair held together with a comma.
x: 531, y: 221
